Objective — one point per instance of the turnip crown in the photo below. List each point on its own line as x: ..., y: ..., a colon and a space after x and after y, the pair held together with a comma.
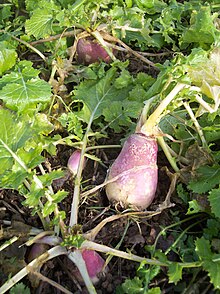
x: 136, y: 173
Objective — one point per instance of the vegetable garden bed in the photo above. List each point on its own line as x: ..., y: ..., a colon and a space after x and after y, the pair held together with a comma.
x: 109, y: 146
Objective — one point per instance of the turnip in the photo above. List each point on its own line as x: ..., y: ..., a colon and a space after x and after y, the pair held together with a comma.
x: 132, y: 179
x: 136, y: 167
x: 94, y: 264
x: 89, y: 51
x: 74, y: 160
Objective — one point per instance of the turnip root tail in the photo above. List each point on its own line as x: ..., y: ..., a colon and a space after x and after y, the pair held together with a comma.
x: 136, y: 173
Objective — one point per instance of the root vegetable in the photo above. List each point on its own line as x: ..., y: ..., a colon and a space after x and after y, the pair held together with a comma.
x: 136, y: 173
x: 94, y: 264
x: 36, y: 251
x: 89, y: 51
x: 73, y: 162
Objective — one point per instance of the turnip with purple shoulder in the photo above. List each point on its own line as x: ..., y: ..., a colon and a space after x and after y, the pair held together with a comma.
x: 133, y: 177
x: 90, y: 51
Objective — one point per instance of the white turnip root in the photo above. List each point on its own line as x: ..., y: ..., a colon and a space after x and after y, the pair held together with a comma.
x: 136, y: 173
x: 89, y: 51
x: 73, y: 162
x: 94, y: 264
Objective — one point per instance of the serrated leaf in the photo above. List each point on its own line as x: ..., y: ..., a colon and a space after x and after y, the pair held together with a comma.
x: 208, y: 178
x: 23, y: 89
x: 7, y: 58
x: 194, y: 207
x: 48, y: 208
x: 59, y: 196
x: 155, y: 290
x: 13, y: 134
x: 98, y: 96
x: 40, y: 23
x: 175, y: 272
x: 20, y: 288
x: 48, y: 178
x: 21, y: 145
x: 214, y: 199
x: 211, y: 261
x: 202, y: 29
x: 133, y: 286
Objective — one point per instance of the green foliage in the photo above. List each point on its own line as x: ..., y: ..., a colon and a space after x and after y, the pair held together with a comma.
x: 7, y: 57
x: 140, y: 284
x: 22, y: 89
x: 210, y: 260
x: 96, y: 101
x: 20, y: 288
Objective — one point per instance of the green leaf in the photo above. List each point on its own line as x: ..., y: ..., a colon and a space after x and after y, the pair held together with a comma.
x: 194, y: 207
x: 20, y: 288
x: 71, y: 122
x: 48, y: 208
x: 208, y: 178
x: 21, y: 144
x: 48, y: 178
x: 13, y: 135
x: 40, y: 23
x: 202, y: 29
x: 98, y: 96
x: 59, y: 196
x: 23, y: 89
x: 214, y: 199
x: 174, y: 272
x: 155, y: 290
x: 133, y: 286
x: 7, y: 58
x: 211, y: 261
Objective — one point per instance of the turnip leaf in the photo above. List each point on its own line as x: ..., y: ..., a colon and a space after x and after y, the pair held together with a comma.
x: 41, y: 21
x: 202, y: 29
x: 7, y: 57
x: 23, y: 89
x: 208, y: 178
x: 21, y: 145
x: 211, y: 261
x: 175, y: 272
x: 100, y: 95
x: 214, y: 199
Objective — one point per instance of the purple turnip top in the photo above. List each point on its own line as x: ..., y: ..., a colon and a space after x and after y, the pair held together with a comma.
x: 89, y: 51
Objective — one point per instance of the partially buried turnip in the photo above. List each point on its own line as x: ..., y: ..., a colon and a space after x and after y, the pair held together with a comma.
x: 136, y: 173
x: 74, y: 160
x: 94, y: 264
x: 89, y: 51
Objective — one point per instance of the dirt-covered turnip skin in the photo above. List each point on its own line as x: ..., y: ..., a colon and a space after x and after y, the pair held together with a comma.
x: 136, y: 167
x: 89, y: 52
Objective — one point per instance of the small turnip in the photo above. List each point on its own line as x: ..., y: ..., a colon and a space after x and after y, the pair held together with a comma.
x: 94, y: 264
x: 36, y: 250
x: 136, y: 171
x: 89, y: 51
x: 73, y: 162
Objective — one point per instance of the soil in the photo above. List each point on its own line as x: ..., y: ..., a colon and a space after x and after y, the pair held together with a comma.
x: 16, y: 220
x: 140, y: 232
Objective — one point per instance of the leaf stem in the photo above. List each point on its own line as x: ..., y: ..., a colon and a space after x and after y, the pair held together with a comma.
x: 78, y: 260
x: 100, y: 39
x: 36, y: 263
x: 152, y: 121
x: 166, y: 151
x: 196, y: 124
x: 108, y: 250
x: 26, y: 44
